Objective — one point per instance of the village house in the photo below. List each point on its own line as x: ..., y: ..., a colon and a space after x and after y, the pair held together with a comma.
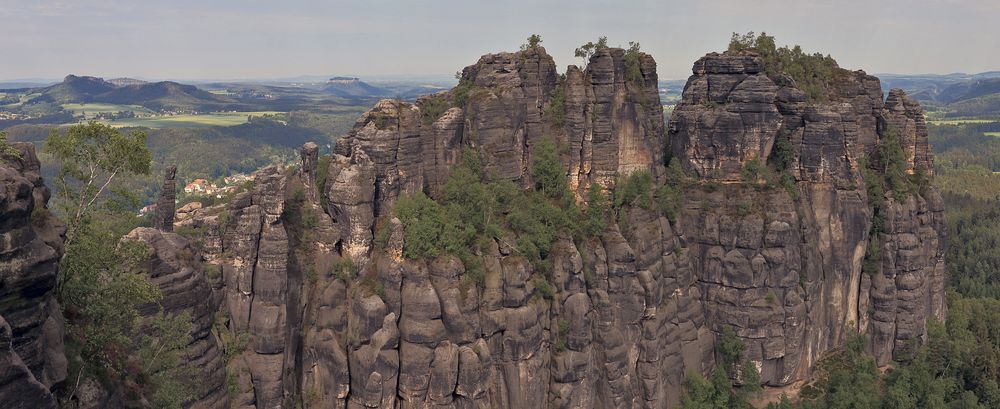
x: 201, y: 187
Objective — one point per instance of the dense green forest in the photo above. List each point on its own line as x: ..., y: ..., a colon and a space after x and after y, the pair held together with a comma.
x: 215, y: 152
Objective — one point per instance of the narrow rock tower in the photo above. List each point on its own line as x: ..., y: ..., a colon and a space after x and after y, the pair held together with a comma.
x: 164, y: 218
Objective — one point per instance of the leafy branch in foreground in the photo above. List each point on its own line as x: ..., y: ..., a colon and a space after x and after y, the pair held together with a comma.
x: 94, y: 158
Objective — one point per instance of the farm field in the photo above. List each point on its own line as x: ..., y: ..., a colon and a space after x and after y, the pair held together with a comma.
x: 959, y: 121
x: 89, y: 109
x: 189, y: 121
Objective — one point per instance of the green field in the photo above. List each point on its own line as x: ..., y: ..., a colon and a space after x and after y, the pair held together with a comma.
x: 88, y: 110
x: 959, y: 121
x: 997, y: 134
x: 189, y: 121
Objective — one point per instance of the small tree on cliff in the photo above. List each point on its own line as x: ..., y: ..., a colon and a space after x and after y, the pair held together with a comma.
x: 533, y: 41
x: 587, y: 50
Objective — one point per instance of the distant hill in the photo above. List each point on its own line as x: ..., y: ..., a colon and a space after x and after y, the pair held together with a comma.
x: 121, y: 82
x: 349, y: 87
x: 956, y: 95
x: 164, y: 95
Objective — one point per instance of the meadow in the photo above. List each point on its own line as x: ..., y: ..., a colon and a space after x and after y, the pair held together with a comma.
x: 959, y: 121
x: 190, y: 120
x: 88, y: 110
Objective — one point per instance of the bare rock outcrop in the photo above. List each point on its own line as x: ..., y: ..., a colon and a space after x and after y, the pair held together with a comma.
x: 31, y: 323
x: 163, y: 218
x: 340, y: 318
x: 176, y: 268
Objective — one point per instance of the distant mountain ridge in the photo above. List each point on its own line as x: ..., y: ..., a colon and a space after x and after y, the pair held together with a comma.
x: 957, y: 94
x: 352, y: 87
x: 163, y: 95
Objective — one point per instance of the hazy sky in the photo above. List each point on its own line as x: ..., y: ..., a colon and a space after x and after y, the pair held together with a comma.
x: 230, y: 39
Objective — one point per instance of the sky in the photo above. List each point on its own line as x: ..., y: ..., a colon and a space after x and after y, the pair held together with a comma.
x: 258, y: 39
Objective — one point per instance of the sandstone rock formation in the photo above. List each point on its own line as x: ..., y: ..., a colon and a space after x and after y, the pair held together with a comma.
x: 732, y: 113
x: 31, y: 324
x: 163, y: 219
x: 314, y: 271
x: 175, y: 266
x: 320, y: 308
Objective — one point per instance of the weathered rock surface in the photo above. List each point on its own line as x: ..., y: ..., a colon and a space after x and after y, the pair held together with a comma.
x: 338, y: 318
x: 31, y: 324
x: 255, y: 273
x: 163, y: 218
x: 175, y: 266
x: 731, y: 113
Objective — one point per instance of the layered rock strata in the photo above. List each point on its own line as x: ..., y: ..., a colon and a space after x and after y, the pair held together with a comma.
x: 163, y: 216
x: 176, y: 268
x: 315, y: 274
x: 32, y: 359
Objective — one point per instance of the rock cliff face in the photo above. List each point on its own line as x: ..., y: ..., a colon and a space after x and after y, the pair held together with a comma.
x: 175, y: 266
x: 314, y: 271
x: 732, y: 113
x: 31, y: 324
x: 163, y: 217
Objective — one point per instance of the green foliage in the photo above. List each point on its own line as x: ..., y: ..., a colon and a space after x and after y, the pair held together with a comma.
x: 636, y: 188
x: 544, y: 288
x: 814, y: 74
x: 783, y: 154
x: 744, y: 209
x: 596, y: 214
x: 885, y: 169
x: 563, y: 327
x: 718, y: 392
x: 889, y: 161
x: 556, y: 110
x: 753, y: 170
x: 966, y: 158
x: 730, y: 348
x: 640, y: 189
x: 431, y: 108
x: 461, y: 93
x: 299, y: 215
x: 470, y: 212
x: 6, y: 149
x: 547, y: 170
x: 852, y: 378
x: 633, y: 70
x: 972, y: 256
x: 787, y: 182
x: 235, y: 345
x: 427, y: 230
x: 94, y: 159
x: 770, y: 298
x: 669, y: 200
x: 162, y: 359
x: 322, y: 173
x: 101, y: 291
x: 213, y: 272
x: 533, y: 41
x: 587, y: 50
x: 372, y: 283
x: 344, y: 269
x: 782, y: 158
